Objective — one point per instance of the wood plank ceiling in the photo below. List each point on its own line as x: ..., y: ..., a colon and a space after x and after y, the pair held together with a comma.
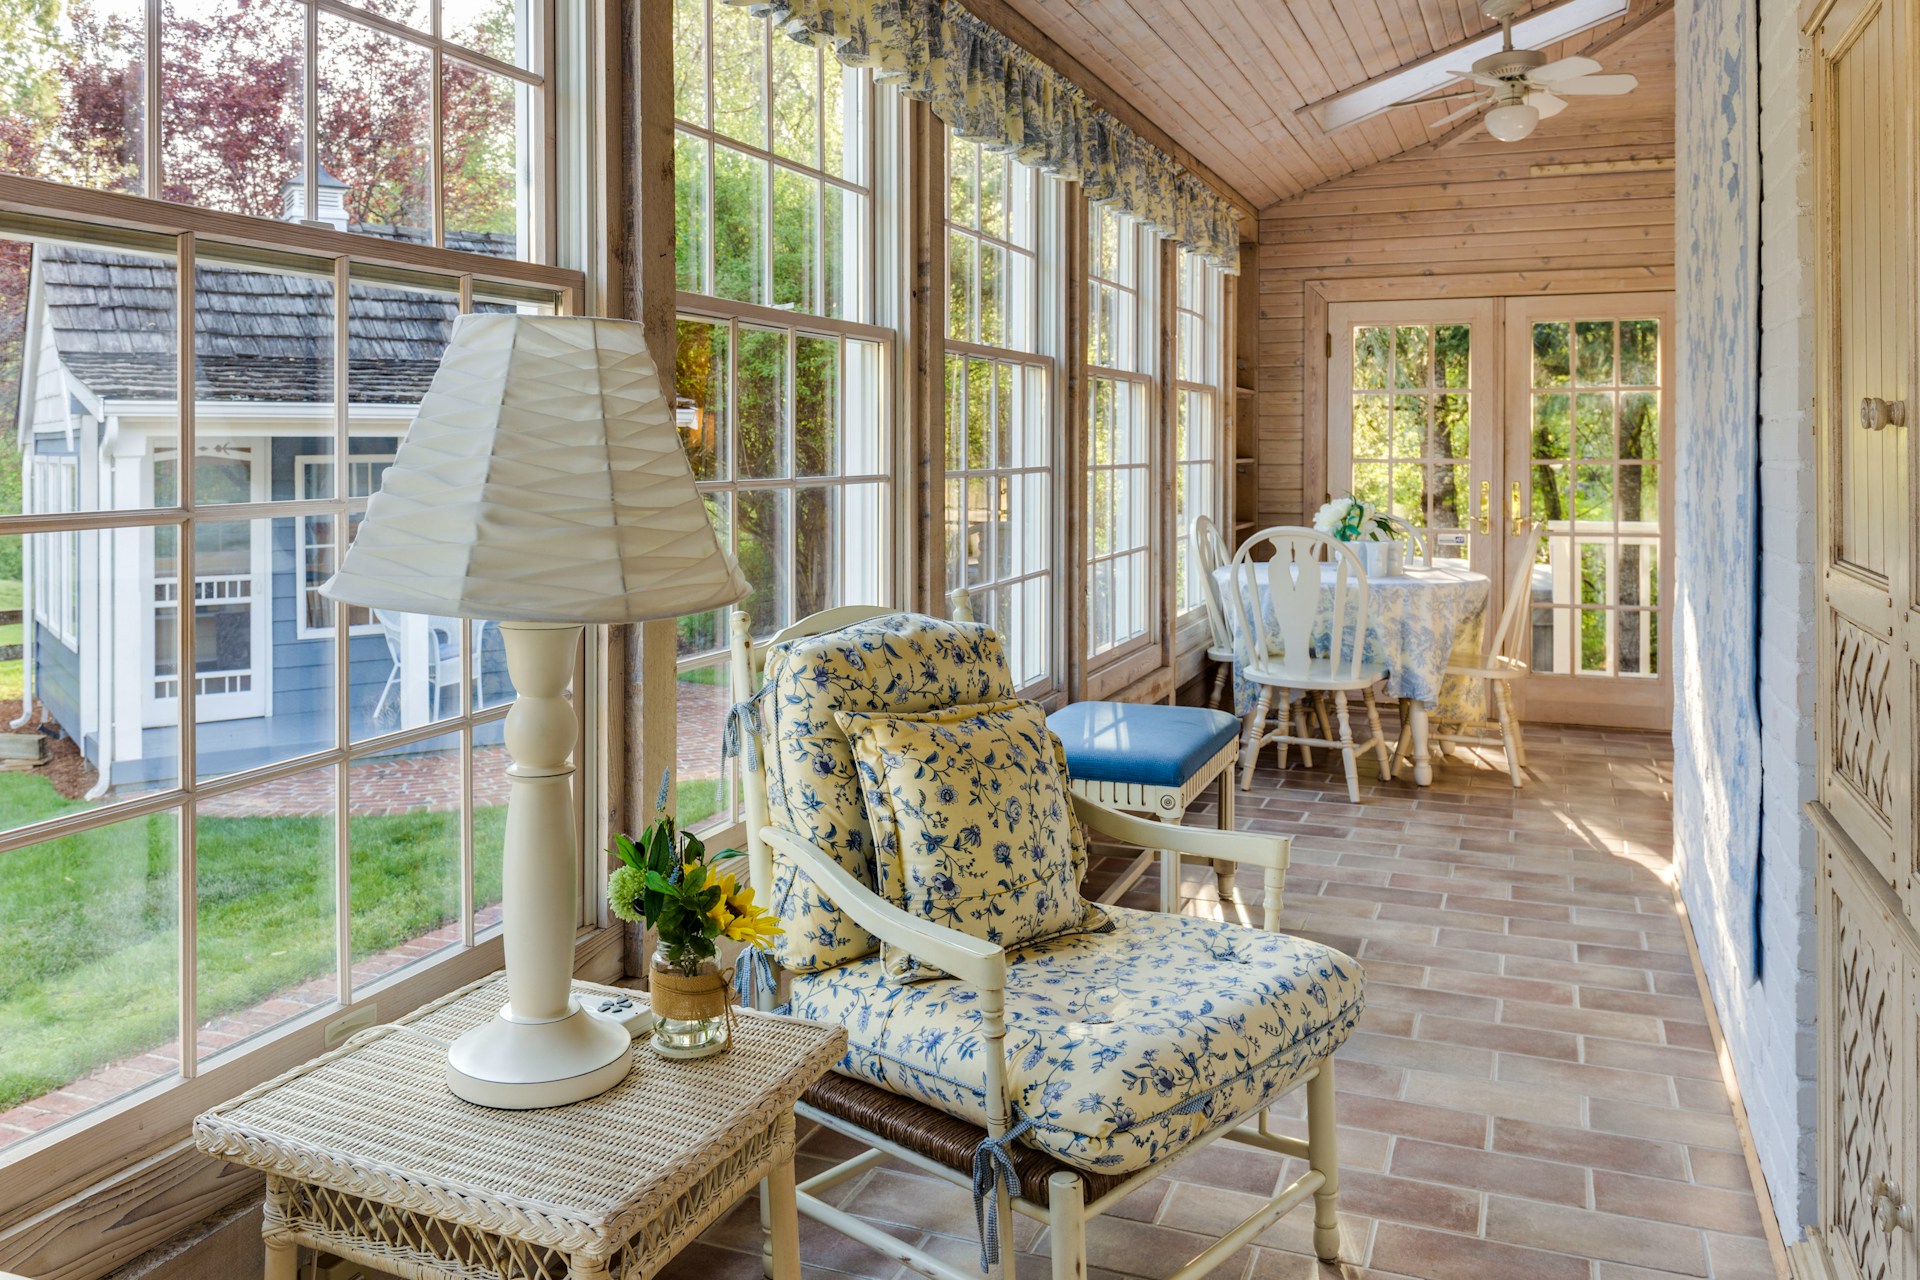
x: 1226, y: 78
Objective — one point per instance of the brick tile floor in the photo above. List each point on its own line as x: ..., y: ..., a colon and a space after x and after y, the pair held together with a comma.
x: 1531, y: 1094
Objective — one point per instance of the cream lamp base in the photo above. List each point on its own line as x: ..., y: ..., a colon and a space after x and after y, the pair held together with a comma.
x: 542, y: 1050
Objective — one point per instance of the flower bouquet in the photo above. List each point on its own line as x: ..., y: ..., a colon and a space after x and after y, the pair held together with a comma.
x: 670, y: 882
x: 1350, y: 520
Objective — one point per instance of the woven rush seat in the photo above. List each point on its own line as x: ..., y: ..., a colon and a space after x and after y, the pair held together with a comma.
x: 934, y: 1134
x: 1142, y: 743
x: 1122, y: 1047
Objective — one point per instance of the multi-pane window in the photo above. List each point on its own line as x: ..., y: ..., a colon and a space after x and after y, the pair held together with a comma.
x: 420, y: 124
x: 1200, y: 375
x: 1595, y: 482
x: 319, y: 536
x: 1412, y: 394
x: 1122, y: 577
x: 249, y: 814
x: 247, y: 817
x: 783, y: 386
x: 999, y: 458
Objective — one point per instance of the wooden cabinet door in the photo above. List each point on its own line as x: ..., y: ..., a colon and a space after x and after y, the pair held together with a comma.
x: 1863, y: 108
x: 1867, y: 1068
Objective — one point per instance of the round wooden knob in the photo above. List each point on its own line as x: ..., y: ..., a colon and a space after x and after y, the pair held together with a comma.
x: 1877, y: 414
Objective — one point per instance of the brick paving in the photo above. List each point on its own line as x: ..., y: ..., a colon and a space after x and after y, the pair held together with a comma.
x: 380, y: 786
x: 1532, y: 1093
x: 702, y: 714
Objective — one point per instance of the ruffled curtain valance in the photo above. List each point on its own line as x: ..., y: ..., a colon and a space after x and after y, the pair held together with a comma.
x: 992, y: 91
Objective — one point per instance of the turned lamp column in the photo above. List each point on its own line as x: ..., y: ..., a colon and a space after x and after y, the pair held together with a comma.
x: 541, y: 485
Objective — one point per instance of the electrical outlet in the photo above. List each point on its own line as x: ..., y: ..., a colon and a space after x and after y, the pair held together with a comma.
x: 343, y: 1027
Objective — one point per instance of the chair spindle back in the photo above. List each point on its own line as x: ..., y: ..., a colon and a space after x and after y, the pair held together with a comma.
x: 1210, y: 556
x: 1504, y: 639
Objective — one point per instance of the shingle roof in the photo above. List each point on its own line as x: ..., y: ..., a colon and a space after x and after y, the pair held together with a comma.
x: 260, y: 335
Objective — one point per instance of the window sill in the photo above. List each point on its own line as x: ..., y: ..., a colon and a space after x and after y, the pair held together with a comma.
x: 90, y: 1197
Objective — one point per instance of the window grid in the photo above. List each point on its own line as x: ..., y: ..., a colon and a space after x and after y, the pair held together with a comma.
x: 999, y: 464
x: 477, y: 101
x: 1595, y: 482
x: 317, y: 539
x: 835, y: 213
x: 1200, y: 375
x: 56, y: 586
x: 197, y: 789
x: 1412, y: 398
x: 1121, y: 586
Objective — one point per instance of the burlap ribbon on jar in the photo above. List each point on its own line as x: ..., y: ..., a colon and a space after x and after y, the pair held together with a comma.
x: 684, y: 999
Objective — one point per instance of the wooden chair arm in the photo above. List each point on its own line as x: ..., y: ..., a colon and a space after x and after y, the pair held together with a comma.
x: 979, y: 964
x: 1252, y: 848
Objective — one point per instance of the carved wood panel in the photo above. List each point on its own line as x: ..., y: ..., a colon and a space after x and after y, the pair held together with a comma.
x: 1864, y: 1075
x: 1863, y: 734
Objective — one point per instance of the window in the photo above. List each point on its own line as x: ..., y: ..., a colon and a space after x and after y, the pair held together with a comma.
x: 1412, y: 426
x: 1121, y: 575
x: 784, y: 384
x: 250, y: 815
x: 56, y: 582
x: 227, y: 123
x: 1200, y: 375
x: 320, y: 542
x: 1000, y: 510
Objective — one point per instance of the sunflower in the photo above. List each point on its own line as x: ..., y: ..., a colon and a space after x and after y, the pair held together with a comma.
x: 750, y: 924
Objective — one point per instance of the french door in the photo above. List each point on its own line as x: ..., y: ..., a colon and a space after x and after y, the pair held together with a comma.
x: 1476, y: 418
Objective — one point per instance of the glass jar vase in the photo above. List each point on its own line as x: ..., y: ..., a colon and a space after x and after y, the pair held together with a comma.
x: 689, y: 1006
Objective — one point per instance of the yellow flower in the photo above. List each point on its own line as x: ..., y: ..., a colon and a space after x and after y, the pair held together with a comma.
x: 750, y: 924
x: 722, y: 910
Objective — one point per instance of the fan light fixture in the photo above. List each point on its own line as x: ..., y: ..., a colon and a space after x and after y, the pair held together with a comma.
x: 1512, y: 122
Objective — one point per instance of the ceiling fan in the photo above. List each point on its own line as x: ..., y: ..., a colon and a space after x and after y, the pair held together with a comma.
x: 1521, y: 86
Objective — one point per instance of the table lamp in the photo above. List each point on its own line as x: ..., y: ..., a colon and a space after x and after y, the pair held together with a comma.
x: 542, y: 485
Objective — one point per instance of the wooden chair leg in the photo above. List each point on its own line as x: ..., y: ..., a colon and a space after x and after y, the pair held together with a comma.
x: 1284, y: 717
x: 1220, y: 684
x: 1250, y: 744
x: 1379, y: 737
x: 1067, y: 1225
x: 1308, y: 701
x: 1346, y: 750
x: 1323, y: 1158
x: 1501, y: 705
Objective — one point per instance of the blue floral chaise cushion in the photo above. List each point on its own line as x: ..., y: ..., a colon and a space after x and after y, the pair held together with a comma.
x: 1122, y: 1047
x: 901, y: 662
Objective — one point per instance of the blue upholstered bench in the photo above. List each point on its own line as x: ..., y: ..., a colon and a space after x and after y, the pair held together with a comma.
x: 1151, y: 759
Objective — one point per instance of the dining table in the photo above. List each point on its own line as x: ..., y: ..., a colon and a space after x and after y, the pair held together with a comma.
x: 1418, y: 621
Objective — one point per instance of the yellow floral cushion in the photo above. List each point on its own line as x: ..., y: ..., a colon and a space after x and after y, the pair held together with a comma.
x: 972, y: 827
x: 901, y: 662
x: 1123, y: 1046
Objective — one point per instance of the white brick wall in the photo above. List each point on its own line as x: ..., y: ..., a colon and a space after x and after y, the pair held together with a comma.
x: 1769, y: 1024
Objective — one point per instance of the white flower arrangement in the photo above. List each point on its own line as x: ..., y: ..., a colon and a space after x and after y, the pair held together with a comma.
x: 1350, y: 520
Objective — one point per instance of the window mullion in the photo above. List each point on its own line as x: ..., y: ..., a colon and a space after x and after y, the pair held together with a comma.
x: 342, y: 639
x: 184, y: 664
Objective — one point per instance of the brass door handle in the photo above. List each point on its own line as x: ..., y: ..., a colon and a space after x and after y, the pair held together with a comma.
x: 1891, y: 1212
x: 1514, y: 508
x: 1486, y: 508
x: 1877, y: 414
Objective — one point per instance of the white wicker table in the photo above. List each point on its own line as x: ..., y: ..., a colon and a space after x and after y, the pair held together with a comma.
x: 370, y: 1156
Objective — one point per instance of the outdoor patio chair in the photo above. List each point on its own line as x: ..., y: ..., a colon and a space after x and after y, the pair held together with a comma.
x: 1052, y: 1077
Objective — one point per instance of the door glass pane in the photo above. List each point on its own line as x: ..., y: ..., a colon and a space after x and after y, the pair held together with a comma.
x: 1411, y: 451
x: 1595, y: 482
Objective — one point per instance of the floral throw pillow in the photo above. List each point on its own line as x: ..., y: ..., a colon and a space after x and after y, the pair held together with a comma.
x: 972, y: 826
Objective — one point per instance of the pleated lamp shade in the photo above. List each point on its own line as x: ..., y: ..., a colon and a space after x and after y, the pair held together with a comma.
x: 542, y: 480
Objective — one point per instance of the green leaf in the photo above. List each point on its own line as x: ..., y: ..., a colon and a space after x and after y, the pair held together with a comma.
x: 623, y: 848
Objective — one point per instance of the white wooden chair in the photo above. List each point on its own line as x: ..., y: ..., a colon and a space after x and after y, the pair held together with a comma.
x: 1419, y: 541
x: 1210, y: 555
x: 1031, y: 1182
x: 1282, y: 662
x: 1500, y: 667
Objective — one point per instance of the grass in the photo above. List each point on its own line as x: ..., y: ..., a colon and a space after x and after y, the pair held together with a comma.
x: 695, y: 800
x: 89, y: 929
x: 11, y: 596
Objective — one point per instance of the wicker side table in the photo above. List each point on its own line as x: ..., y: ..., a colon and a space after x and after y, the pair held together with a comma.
x: 368, y: 1155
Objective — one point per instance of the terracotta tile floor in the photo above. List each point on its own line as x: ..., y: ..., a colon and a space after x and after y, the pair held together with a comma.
x: 1531, y: 1094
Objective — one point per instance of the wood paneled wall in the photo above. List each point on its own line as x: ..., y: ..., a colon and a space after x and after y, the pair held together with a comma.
x: 1463, y: 216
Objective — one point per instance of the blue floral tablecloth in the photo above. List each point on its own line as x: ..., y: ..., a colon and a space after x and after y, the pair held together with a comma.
x: 1416, y: 622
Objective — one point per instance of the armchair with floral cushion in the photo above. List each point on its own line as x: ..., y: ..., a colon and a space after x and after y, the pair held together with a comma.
x: 910, y: 819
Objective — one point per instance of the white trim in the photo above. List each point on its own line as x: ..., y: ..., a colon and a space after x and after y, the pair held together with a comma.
x: 52, y: 573
x: 303, y: 629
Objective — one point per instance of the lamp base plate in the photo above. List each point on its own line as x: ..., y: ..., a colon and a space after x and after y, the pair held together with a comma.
x: 520, y: 1066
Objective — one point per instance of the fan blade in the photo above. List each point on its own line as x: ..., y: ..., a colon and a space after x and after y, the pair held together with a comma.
x: 1597, y: 85
x: 1492, y: 82
x: 1460, y: 114
x: 1443, y: 97
x: 1546, y: 103
x: 1564, y: 69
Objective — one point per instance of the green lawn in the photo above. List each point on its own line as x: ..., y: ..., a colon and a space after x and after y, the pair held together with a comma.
x: 10, y: 598
x: 89, y: 936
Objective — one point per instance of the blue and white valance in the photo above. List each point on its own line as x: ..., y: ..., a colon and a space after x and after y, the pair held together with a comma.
x: 992, y: 91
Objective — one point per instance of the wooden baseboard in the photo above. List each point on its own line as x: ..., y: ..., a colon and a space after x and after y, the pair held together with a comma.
x: 1769, y: 1222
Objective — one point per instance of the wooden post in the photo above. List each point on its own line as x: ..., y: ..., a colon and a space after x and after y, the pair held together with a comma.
x: 926, y: 327
x: 1073, y: 439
